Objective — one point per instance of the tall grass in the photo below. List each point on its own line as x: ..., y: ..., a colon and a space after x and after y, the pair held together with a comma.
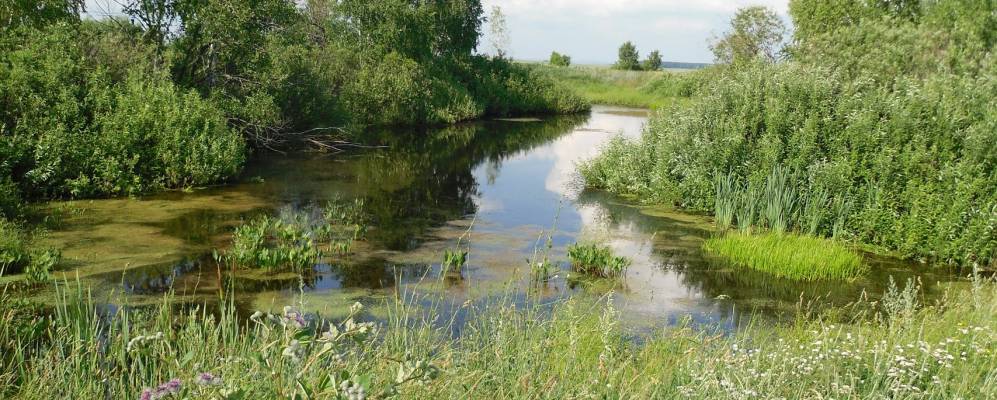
x: 575, y: 349
x: 790, y: 256
x: 646, y: 89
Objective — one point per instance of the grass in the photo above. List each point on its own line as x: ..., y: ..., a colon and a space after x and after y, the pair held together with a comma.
x: 597, y: 261
x: 895, y: 348
x: 797, y: 257
x: 604, y: 85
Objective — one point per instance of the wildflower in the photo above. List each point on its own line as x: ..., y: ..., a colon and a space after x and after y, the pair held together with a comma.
x: 293, y: 318
x: 208, y: 379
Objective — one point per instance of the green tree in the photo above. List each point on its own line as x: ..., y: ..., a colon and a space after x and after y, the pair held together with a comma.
x: 499, y: 33
x: 653, y: 61
x: 629, y: 59
x: 755, y: 32
x: 38, y: 13
x: 560, y: 60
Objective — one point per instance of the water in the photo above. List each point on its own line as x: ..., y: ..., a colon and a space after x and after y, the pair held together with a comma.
x: 499, y: 184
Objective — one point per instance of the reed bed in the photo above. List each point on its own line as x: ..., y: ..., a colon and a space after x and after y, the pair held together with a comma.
x: 797, y: 257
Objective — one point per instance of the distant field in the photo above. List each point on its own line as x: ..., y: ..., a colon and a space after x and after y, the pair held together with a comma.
x: 646, y: 89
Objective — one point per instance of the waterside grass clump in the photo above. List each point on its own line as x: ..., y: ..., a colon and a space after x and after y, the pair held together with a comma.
x: 790, y: 256
x: 598, y: 261
x: 895, y: 348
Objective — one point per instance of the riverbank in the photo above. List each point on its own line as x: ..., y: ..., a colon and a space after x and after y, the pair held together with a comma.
x: 896, y: 348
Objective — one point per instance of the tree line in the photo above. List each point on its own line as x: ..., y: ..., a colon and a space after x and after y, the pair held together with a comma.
x: 177, y: 92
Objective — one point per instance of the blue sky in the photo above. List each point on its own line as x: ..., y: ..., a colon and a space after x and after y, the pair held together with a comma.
x: 590, y: 31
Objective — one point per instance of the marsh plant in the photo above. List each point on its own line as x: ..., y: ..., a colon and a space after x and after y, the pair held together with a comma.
x: 274, y: 245
x: 591, y: 259
x: 453, y: 262
x: 787, y: 255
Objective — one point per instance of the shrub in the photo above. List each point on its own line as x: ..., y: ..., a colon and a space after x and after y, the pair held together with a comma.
x: 908, y: 165
x: 597, y: 261
x: 803, y: 258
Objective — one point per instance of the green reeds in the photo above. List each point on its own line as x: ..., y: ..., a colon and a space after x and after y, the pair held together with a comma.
x: 780, y: 200
x: 726, y: 200
x: 789, y: 256
x: 598, y: 261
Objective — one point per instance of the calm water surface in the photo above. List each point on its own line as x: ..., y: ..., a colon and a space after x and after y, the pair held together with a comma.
x: 499, y: 184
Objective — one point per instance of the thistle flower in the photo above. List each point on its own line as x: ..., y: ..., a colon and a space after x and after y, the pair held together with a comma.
x: 208, y: 379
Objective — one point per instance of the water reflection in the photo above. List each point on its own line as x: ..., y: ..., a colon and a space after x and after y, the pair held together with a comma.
x: 499, y: 184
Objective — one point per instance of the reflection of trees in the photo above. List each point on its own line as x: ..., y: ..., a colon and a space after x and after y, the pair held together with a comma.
x: 424, y: 179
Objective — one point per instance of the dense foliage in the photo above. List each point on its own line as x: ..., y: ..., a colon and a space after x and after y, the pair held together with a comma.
x: 173, y: 96
x: 890, y: 110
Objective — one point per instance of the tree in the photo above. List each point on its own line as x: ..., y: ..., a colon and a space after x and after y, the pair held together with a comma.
x: 629, y: 58
x: 560, y: 60
x: 38, y: 13
x: 499, y: 32
x: 653, y: 61
x: 755, y: 32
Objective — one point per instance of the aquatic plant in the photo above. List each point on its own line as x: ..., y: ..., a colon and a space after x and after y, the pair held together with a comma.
x: 597, y: 261
x: 274, y: 245
x: 453, y: 262
x: 797, y: 257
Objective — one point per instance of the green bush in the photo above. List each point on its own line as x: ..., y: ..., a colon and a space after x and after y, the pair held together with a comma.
x: 914, y: 162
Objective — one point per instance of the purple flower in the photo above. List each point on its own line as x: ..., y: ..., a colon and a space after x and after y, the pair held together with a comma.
x: 208, y: 379
x: 167, y: 389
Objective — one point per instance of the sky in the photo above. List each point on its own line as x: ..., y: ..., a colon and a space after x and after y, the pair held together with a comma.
x: 590, y: 31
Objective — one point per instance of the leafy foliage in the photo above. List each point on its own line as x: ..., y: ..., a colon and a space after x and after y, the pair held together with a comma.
x: 755, y: 33
x: 899, y: 135
x: 170, y: 97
